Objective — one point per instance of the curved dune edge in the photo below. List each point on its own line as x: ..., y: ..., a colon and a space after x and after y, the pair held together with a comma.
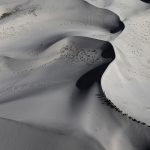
x: 130, y: 70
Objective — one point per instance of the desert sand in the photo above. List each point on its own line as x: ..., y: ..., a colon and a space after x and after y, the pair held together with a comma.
x: 56, y: 60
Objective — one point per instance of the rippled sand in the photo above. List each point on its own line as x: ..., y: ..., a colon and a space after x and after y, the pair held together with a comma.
x: 56, y: 60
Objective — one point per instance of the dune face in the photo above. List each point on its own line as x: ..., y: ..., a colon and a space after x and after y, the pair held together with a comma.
x: 46, y: 45
x: 58, y: 60
x: 131, y: 69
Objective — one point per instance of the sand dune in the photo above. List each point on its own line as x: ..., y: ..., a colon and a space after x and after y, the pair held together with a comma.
x: 131, y: 67
x: 52, y: 58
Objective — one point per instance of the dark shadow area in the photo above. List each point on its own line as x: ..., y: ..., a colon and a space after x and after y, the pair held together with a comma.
x: 87, y: 80
x: 108, y: 51
x: 146, y: 1
x: 146, y: 147
x: 94, y: 75
x: 119, y: 28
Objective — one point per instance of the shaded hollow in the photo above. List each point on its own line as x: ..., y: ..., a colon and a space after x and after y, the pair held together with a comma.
x: 118, y: 28
x: 94, y: 75
x: 146, y: 1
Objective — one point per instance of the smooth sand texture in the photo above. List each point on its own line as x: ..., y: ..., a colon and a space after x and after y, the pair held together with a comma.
x: 52, y: 57
x: 131, y: 68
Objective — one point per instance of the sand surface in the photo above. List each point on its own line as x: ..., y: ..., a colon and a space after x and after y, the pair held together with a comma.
x: 56, y: 57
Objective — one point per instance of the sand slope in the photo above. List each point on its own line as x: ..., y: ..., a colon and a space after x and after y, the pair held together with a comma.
x: 131, y: 68
x: 46, y: 47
